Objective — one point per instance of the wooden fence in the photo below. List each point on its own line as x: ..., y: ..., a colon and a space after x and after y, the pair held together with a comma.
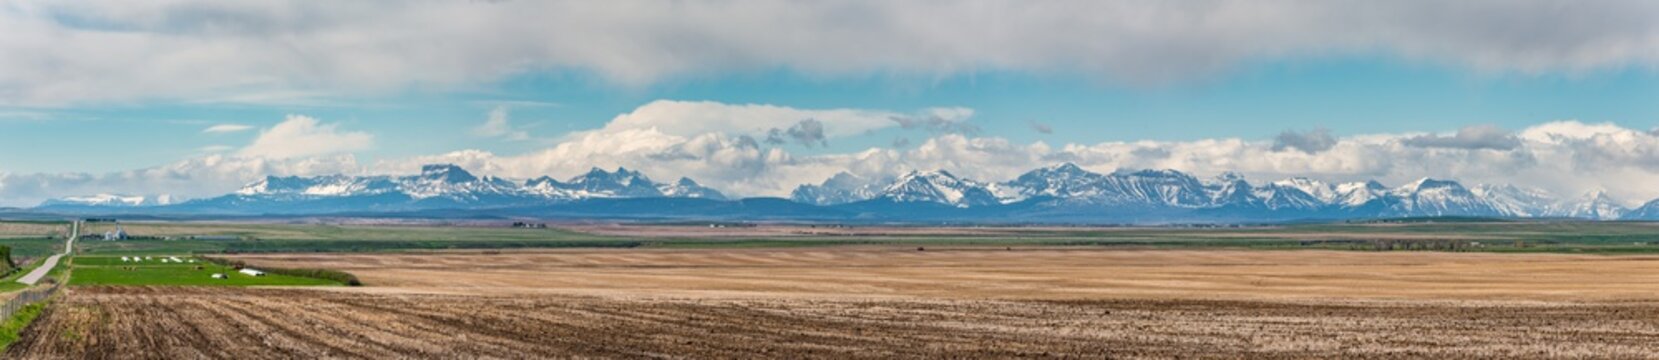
x: 25, y: 298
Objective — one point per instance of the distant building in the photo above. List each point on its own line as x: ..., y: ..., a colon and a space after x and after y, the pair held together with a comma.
x: 118, y: 234
x: 525, y: 225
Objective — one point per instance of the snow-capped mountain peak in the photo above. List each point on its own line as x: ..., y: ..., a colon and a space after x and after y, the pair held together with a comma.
x: 621, y: 183
x: 1324, y: 192
x: 448, y: 173
x: 1060, y: 190
x: 1065, y: 180
x: 841, y: 188
x: 1594, y: 205
x: 938, y: 186
x: 1430, y: 197
x: 1513, y: 200
x: 685, y: 187
x: 113, y: 200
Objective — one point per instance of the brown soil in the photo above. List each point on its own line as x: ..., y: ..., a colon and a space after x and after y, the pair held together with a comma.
x: 1000, y: 273
x: 177, y: 323
x: 879, y: 302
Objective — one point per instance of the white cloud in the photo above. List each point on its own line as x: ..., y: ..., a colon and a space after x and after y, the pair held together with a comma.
x: 689, y: 118
x: 1313, y: 141
x: 301, y: 136
x: 497, y: 125
x: 62, y: 52
x: 216, y: 148
x: 226, y: 128
x: 1472, y: 137
x: 1564, y: 157
x: 210, y: 175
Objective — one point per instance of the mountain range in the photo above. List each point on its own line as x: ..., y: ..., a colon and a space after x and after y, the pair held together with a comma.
x: 1228, y: 196
x: 1064, y: 193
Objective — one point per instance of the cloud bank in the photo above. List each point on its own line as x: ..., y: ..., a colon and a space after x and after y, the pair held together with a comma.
x: 69, y: 52
x: 1565, y: 157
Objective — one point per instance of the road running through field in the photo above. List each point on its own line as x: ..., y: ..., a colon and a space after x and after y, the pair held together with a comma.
x: 35, y: 275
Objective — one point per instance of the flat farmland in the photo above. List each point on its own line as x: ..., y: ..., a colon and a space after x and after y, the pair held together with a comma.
x: 885, y: 302
x: 167, y: 323
x: 30, y: 229
x: 1043, y: 273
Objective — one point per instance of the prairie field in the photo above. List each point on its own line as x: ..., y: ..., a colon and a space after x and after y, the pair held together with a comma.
x: 161, y: 237
x: 32, y: 229
x: 885, y: 302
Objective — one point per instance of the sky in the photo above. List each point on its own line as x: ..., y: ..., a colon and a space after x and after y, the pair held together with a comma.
x: 194, y: 98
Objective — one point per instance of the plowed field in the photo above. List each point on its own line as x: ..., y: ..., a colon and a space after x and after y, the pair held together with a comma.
x: 886, y: 303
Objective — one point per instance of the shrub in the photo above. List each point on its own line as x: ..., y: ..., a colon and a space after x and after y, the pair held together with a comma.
x: 6, y: 262
x: 325, y: 274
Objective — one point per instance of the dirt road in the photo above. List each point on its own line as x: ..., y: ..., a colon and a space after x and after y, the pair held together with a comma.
x: 35, y: 275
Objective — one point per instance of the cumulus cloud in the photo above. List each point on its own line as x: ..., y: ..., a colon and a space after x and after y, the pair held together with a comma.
x: 496, y: 125
x: 689, y: 118
x: 1313, y: 141
x: 210, y: 175
x: 1563, y: 157
x: 1472, y: 137
x: 301, y: 136
x: 62, y: 52
x: 808, y: 132
x: 951, y: 120
x: 226, y: 128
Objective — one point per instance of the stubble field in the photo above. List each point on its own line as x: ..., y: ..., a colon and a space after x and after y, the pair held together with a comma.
x: 883, y: 302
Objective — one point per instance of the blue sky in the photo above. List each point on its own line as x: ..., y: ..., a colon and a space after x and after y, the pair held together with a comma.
x: 1346, y: 95
x: 987, y: 89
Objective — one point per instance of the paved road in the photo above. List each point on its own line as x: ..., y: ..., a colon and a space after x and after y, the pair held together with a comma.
x: 35, y: 275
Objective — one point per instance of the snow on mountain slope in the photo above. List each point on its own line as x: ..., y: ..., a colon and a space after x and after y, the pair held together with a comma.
x: 839, y: 189
x: 1430, y: 197
x: 1516, y: 201
x: 938, y: 187
x: 1231, y: 190
x: 1649, y: 211
x: 1154, y: 187
x: 1064, y: 181
x: 1360, y: 194
x: 1595, y: 205
x: 113, y: 200
x: 1324, y: 192
x: 687, y: 188
x: 1065, y: 190
x: 449, y: 185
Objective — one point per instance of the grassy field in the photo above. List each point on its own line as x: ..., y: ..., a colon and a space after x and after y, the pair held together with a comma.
x: 110, y: 270
x: 33, y: 239
x: 176, y: 238
x: 33, y: 247
x: 12, y: 327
